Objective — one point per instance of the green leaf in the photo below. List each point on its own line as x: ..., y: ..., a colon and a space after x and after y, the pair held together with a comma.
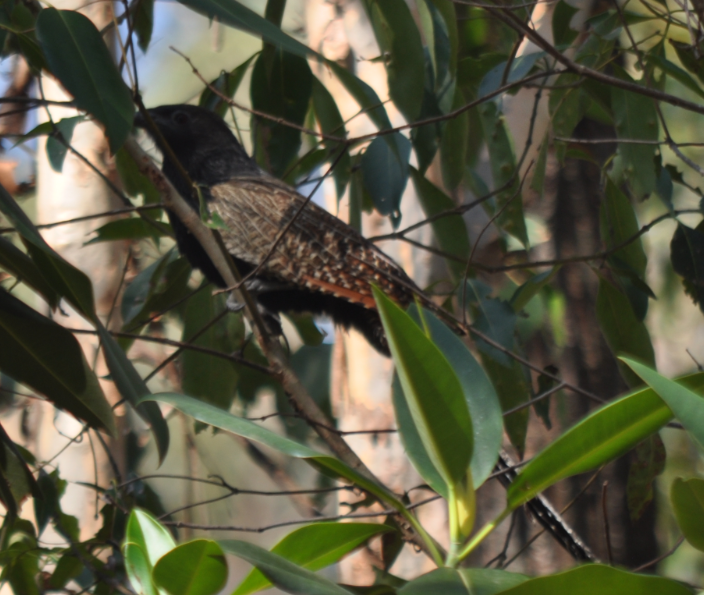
x: 623, y: 331
x: 690, y: 57
x: 331, y: 122
x: 79, y: 58
x: 234, y: 14
x: 197, y: 567
x: 635, y: 117
x: 675, y: 72
x: 156, y: 289
x: 205, y: 376
x: 504, y: 172
x: 605, y: 434
x: 467, y: 581
x: 242, y: 427
x: 126, y: 229
x: 133, y: 388
x: 453, y: 146
x: 315, y: 547
x: 568, y: 105
x: 36, y: 351
x: 687, y: 406
x: 450, y: 231
x: 596, y: 578
x: 135, y: 182
x: 281, y: 87
x: 619, y: 224
x: 687, y: 258
x: 385, y: 171
x: 479, y: 393
x: 687, y: 497
x: 402, y: 51
x: 64, y: 278
x: 526, y: 292
x: 432, y: 390
x: 286, y: 575
x: 146, y: 540
x: 59, y: 140
x: 18, y: 264
x: 364, y: 95
x: 562, y: 33
x: 537, y: 182
x: 227, y: 83
x: 143, y: 22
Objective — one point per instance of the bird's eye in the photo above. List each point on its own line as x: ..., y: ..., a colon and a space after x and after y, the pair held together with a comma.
x: 180, y: 118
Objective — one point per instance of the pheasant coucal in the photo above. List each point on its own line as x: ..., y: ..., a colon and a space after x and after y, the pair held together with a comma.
x: 320, y: 265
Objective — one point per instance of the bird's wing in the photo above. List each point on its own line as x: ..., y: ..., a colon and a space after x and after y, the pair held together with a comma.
x: 318, y: 250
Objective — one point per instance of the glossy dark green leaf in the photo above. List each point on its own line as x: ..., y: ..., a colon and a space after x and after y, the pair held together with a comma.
x: 18, y: 264
x: 450, y: 231
x: 125, y: 229
x: 287, y: 576
x: 69, y: 282
x: 385, y: 171
x: 504, y: 172
x: 467, y: 581
x: 59, y: 140
x: 453, y: 146
x: 43, y: 355
x: 196, y: 567
x: 439, y: 26
x: 205, y: 376
x: 432, y: 390
x: 15, y: 476
x: 67, y: 568
x: 331, y: 122
x: 687, y: 497
x: 596, y: 578
x: 314, y: 547
x: 687, y: 405
x: 399, y: 42
x: 131, y: 386
x: 562, y: 33
x: 234, y: 14
x: 143, y: 22
x: 281, y: 87
x: 227, y: 83
x: 635, y: 117
x: 687, y: 258
x: 605, y: 434
x: 146, y: 540
x: 623, y: 331
x: 82, y: 62
x: 242, y: 427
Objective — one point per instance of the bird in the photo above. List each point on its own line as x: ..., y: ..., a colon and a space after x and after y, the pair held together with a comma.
x: 320, y: 264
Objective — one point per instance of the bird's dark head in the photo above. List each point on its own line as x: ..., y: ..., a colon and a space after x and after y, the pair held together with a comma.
x: 202, y: 142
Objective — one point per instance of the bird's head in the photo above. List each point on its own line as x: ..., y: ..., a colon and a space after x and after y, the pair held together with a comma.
x: 202, y: 142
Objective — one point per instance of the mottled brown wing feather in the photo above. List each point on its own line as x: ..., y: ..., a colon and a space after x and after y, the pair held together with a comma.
x: 318, y: 251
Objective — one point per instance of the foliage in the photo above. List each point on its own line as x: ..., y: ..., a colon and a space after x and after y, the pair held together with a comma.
x: 449, y: 76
